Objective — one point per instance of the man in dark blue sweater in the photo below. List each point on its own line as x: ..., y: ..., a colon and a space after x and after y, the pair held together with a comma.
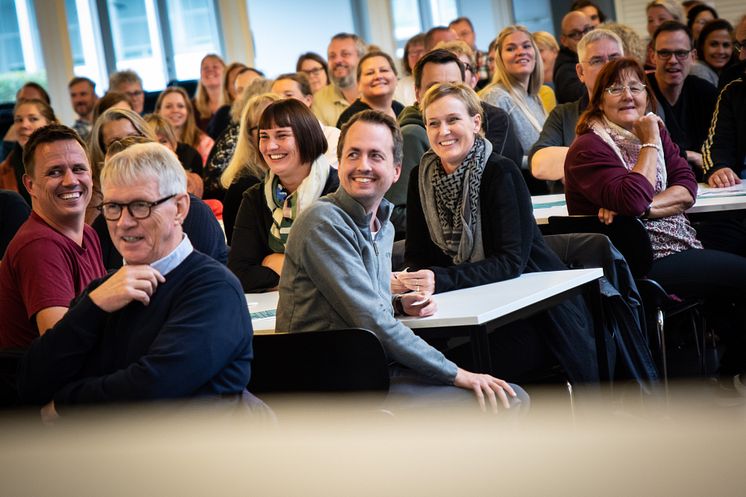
x: 171, y: 323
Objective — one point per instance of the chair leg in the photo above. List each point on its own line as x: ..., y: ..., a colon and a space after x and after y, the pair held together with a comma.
x: 660, y: 320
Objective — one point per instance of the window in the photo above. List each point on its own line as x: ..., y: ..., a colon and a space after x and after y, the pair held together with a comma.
x: 536, y: 15
x: 415, y: 16
x: 284, y: 29
x: 194, y: 31
x: 20, y: 55
x: 85, y: 42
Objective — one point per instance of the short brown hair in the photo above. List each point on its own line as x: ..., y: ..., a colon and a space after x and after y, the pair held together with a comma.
x: 309, y: 138
x: 54, y: 132
x: 374, y: 117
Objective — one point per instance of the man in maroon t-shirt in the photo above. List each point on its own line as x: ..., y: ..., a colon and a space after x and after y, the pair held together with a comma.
x: 54, y: 255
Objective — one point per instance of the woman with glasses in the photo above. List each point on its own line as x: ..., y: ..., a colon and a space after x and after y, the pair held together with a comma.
x: 623, y: 163
x: 376, y: 82
x: 470, y: 222
x: 291, y: 148
x: 315, y: 67
x: 714, y: 51
x: 515, y: 88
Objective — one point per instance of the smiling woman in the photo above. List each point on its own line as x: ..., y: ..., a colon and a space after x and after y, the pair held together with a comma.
x: 28, y: 116
x: 470, y: 222
x: 174, y: 105
x: 515, y: 89
x: 298, y: 174
x: 376, y: 81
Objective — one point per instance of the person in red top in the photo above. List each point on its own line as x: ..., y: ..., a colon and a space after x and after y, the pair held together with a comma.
x: 54, y: 255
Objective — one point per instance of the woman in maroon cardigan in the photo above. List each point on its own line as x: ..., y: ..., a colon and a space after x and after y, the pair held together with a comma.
x: 623, y: 162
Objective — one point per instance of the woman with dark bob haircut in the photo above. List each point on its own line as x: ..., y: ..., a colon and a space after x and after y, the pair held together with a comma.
x: 292, y: 146
x: 623, y: 163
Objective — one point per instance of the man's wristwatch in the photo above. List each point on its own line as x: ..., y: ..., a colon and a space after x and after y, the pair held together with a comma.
x: 398, y: 306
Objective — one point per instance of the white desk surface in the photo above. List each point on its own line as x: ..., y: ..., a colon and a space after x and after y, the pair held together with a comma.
x: 469, y: 306
x: 708, y: 200
x: 481, y: 304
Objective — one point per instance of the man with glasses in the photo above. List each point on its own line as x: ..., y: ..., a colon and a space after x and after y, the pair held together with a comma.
x: 464, y: 30
x: 567, y: 86
x: 547, y: 156
x: 171, y: 323
x: 129, y: 83
x: 54, y: 254
x: 685, y: 101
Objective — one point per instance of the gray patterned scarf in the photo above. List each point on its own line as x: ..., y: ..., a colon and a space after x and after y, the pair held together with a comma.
x: 450, y: 202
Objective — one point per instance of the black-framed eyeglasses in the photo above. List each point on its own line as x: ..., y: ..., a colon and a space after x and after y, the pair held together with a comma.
x: 577, y: 34
x: 138, y: 209
x: 617, y: 90
x: 739, y: 45
x: 666, y: 54
x: 134, y: 94
x: 313, y: 72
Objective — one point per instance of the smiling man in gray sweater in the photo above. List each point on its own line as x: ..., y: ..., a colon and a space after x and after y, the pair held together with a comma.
x: 338, y: 267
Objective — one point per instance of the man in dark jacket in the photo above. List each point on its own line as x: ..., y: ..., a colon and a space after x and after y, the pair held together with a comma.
x: 567, y: 86
x: 441, y: 66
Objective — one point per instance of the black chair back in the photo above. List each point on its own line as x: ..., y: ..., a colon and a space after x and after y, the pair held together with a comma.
x: 628, y: 235
x: 350, y: 360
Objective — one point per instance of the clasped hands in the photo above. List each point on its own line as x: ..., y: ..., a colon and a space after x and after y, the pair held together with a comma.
x: 415, y: 289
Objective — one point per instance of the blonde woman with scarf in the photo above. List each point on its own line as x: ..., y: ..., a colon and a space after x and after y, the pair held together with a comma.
x: 623, y: 163
x: 292, y: 147
x: 470, y: 222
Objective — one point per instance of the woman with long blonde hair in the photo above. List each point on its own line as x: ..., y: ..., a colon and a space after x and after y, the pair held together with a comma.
x: 246, y: 167
x: 210, y: 94
x: 516, y: 85
x: 173, y: 103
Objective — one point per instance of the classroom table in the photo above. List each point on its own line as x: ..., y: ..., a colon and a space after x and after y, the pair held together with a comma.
x: 709, y: 201
x: 470, y: 312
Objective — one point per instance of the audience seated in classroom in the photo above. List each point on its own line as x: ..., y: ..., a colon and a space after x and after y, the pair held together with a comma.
x: 170, y: 324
